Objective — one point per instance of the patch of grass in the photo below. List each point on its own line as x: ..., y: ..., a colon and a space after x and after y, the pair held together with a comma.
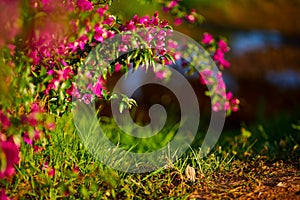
x: 234, y: 168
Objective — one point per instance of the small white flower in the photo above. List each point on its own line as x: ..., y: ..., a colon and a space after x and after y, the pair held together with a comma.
x: 190, y: 173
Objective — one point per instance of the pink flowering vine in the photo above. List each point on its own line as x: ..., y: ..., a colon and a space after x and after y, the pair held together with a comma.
x: 58, y: 37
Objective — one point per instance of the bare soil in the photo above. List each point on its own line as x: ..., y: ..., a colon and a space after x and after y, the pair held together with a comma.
x: 254, y: 181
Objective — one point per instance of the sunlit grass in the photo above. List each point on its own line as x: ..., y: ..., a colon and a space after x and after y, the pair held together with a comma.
x: 78, y: 175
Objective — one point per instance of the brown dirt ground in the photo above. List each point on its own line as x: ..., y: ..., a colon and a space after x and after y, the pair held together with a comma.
x: 256, y: 181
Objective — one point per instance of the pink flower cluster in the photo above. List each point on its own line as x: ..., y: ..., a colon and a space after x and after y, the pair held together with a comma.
x: 181, y: 13
x: 144, y: 22
x: 50, y: 170
x: 170, y: 5
x: 217, y: 51
x: 84, y: 5
x: 232, y: 103
x: 100, y: 31
x: 3, y: 195
x: 223, y: 101
x: 192, y: 16
x: 8, y: 146
x: 50, y: 45
x: 221, y: 49
x: 64, y: 31
x: 149, y: 30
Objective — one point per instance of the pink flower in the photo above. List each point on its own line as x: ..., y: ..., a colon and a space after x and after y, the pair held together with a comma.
x: 65, y: 74
x: 207, y: 39
x: 84, y: 5
x: 53, y: 84
x: 37, y: 134
x: 101, y: 11
x: 178, y: 21
x: 205, y: 77
x: 130, y: 25
x: 109, y: 21
x: 235, y: 101
x: 164, y: 24
x: 51, y: 172
x: 222, y: 45
x: 35, y: 108
x: 162, y: 51
x: 216, y: 107
x: 221, y: 87
x: 50, y: 72
x: 4, y: 120
x: 73, y: 91
x: 224, y: 63
x: 226, y: 106
x: 172, y: 44
x: 99, y: 86
x: 235, y: 108
x: 231, y: 103
x: 155, y: 19
x: 97, y: 90
x: 11, y: 48
x: 37, y: 149
x: 50, y: 126
x: 144, y: 20
x: 123, y: 48
x: 72, y: 46
x: 126, y: 39
x: 87, y: 98
x: 177, y: 55
x: 34, y: 56
x: 31, y: 120
x: 110, y: 34
x: 76, y: 169
x: 45, y: 165
x: 229, y: 96
x: 172, y: 4
x: 118, y: 67
x: 3, y: 195
x: 162, y: 74
x: 191, y: 18
x: 27, y: 139
x: 82, y: 41
x: 100, y: 34
x: 219, y: 58
x: 11, y: 153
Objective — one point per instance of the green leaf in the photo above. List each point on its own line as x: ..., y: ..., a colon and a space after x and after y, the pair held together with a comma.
x: 43, y: 71
x: 169, y: 57
x: 297, y: 127
x: 245, y: 133
x: 122, y: 107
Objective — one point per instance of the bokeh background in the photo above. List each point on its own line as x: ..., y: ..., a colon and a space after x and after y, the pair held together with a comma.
x: 264, y: 36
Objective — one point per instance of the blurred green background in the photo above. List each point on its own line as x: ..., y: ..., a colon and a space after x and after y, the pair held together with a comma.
x: 264, y: 36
